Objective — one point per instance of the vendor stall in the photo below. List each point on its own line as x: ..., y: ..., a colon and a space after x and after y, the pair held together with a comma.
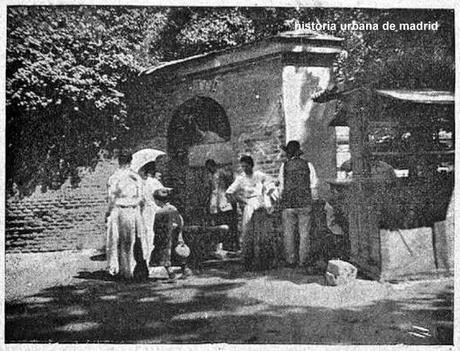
x: 397, y: 188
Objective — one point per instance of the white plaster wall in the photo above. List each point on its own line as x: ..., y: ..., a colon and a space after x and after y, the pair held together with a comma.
x: 307, y: 121
x: 299, y: 83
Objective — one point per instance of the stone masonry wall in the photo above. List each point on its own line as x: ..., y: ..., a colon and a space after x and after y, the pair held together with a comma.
x: 251, y: 96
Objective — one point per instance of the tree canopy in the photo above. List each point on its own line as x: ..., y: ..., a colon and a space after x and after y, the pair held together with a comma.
x: 67, y: 68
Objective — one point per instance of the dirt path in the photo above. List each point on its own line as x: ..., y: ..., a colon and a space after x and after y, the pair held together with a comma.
x: 65, y: 297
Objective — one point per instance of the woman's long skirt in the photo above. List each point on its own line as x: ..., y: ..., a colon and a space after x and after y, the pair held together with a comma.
x: 259, y: 245
x: 148, y: 215
x: 125, y: 236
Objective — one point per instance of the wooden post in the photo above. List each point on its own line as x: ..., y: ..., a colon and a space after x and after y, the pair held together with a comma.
x: 364, y: 239
x: 353, y: 106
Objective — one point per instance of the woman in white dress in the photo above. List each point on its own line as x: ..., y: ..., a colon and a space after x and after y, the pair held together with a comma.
x: 125, y: 228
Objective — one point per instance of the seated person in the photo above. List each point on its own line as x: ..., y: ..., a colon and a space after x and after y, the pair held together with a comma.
x: 168, y: 234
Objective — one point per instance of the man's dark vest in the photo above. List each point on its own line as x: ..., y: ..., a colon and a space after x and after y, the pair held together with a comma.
x: 296, y: 192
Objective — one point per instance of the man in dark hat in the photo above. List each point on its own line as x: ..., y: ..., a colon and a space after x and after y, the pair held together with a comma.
x: 298, y: 187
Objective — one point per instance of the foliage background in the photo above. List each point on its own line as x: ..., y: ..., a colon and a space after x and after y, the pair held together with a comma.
x: 68, y: 69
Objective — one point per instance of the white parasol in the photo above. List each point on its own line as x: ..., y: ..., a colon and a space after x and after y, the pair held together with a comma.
x: 144, y: 156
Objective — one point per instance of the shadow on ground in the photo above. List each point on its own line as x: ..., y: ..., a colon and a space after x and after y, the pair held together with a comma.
x: 206, y: 309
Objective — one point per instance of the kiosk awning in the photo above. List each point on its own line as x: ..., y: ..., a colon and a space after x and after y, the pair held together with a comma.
x: 419, y: 96
x: 434, y: 97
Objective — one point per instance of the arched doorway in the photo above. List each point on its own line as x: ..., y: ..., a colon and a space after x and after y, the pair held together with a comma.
x: 199, y: 130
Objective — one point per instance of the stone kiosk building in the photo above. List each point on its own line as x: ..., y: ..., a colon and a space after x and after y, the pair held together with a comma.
x: 245, y: 100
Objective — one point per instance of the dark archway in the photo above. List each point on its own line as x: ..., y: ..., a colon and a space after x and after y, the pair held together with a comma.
x: 198, y: 121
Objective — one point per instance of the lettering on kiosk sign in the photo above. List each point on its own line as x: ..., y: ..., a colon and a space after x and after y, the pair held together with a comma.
x: 206, y: 85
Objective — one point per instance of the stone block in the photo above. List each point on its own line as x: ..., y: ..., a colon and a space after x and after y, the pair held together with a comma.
x: 406, y: 252
x: 340, y: 272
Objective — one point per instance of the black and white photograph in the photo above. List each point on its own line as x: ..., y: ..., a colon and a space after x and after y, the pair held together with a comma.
x: 205, y: 174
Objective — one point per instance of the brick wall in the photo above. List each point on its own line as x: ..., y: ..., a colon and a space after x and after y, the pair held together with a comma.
x: 64, y: 219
